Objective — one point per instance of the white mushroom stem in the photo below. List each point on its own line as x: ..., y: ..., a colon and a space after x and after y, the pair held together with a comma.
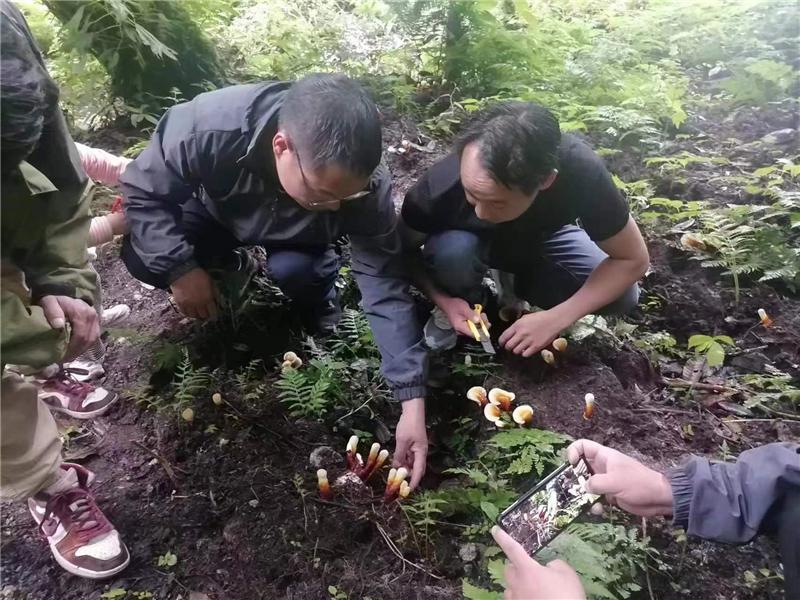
x: 350, y: 455
x: 405, y: 489
x: 394, y: 483
x: 548, y: 357
x: 589, y: 410
x: 324, y: 487
x: 379, y: 462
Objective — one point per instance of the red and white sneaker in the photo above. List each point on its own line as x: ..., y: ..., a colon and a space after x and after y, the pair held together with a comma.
x: 63, y: 393
x: 81, y: 538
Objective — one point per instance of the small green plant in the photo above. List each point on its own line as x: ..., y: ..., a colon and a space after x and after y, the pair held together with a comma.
x: 114, y: 594
x: 189, y: 381
x: 711, y: 347
x: 534, y: 450
x: 773, y: 394
x: 311, y: 391
x: 610, y: 559
x: 168, y: 560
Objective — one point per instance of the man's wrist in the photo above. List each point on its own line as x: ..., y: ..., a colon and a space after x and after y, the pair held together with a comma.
x: 664, y: 495
x: 564, y: 315
x: 414, y: 406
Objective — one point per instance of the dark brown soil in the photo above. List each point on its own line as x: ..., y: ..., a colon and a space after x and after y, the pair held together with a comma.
x: 237, y: 502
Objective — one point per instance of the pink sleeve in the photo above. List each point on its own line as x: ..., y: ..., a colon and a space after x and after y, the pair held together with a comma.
x: 100, y: 165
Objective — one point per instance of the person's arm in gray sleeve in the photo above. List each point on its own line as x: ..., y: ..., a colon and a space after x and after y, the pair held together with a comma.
x: 154, y: 185
x: 728, y: 502
x: 379, y: 272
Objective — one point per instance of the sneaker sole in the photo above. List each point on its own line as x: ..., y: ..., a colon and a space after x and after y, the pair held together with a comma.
x: 86, y: 573
x: 83, y: 415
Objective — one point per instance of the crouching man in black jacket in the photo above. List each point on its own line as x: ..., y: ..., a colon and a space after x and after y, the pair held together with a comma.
x: 290, y: 167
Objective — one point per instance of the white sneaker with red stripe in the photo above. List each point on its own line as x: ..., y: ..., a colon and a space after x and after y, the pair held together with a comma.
x: 81, y: 538
x: 63, y: 393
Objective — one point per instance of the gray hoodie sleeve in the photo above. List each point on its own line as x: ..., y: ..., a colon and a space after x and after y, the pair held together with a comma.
x: 162, y: 178
x: 728, y: 502
x: 380, y: 275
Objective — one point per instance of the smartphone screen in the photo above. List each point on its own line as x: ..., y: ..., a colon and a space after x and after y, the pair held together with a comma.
x: 542, y: 513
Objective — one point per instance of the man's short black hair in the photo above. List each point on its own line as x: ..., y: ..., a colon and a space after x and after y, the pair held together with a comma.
x: 26, y: 95
x: 331, y: 120
x: 518, y: 143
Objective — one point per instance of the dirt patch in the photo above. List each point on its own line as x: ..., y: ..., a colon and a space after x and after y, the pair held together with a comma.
x: 232, y: 493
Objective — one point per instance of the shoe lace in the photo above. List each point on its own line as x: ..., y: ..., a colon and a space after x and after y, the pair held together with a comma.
x: 65, y: 382
x: 77, y: 512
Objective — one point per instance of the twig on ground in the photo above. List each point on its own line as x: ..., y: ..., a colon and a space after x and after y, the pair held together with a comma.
x: 707, y: 387
x: 168, y: 468
x: 396, y: 551
x: 646, y: 566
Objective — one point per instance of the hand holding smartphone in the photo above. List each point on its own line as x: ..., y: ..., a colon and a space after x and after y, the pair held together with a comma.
x: 542, y: 513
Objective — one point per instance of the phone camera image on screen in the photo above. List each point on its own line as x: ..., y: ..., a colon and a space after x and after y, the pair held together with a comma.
x: 543, y: 513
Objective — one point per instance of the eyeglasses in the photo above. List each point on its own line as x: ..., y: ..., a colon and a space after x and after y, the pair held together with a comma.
x: 355, y: 196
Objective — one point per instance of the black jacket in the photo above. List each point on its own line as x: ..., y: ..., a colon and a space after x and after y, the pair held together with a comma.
x: 218, y: 148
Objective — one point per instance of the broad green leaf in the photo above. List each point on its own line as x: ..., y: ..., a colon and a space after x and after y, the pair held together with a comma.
x: 472, y: 592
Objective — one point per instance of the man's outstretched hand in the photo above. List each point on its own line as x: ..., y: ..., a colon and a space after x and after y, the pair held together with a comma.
x: 411, y: 439
x: 531, y: 332
x: 623, y: 480
x: 82, y: 318
x: 196, y: 294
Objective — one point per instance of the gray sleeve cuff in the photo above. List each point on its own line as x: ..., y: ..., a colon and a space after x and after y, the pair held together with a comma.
x: 410, y: 392
x: 181, y: 270
x: 681, y: 495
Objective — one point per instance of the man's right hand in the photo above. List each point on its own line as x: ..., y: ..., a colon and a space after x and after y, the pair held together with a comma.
x: 458, y: 312
x: 196, y: 294
x: 623, y: 480
x: 82, y: 318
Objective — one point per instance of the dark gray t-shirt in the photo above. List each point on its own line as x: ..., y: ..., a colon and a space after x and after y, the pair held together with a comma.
x: 583, y: 193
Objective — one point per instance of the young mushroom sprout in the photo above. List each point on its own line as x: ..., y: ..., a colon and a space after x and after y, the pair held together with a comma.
x: 766, y: 321
x: 589, y: 410
x: 560, y: 344
x: 356, y: 464
x: 324, y: 487
x: 393, y: 484
x: 548, y: 357
x: 216, y: 398
x: 291, y: 361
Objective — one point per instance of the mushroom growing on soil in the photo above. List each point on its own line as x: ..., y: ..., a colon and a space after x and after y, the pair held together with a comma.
x: 548, y: 357
x: 478, y: 395
x: 523, y: 414
x: 292, y: 359
x: 324, y: 487
x: 588, y: 411
x: 764, y: 318
x: 560, y: 344
x: 396, y: 479
x: 501, y: 398
x: 356, y: 465
x: 492, y: 412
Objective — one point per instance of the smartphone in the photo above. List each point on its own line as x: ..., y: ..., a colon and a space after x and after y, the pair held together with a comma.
x: 542, y: 513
